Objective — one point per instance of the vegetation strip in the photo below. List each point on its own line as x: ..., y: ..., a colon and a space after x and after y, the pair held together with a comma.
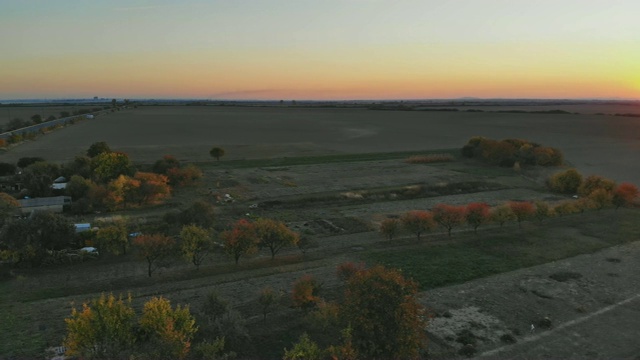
x: 502, y: 250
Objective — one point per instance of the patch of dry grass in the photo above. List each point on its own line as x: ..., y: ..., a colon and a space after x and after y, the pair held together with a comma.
x: 429, y: 158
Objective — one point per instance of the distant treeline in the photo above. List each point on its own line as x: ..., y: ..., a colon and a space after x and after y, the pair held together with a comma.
x: 402, y: 107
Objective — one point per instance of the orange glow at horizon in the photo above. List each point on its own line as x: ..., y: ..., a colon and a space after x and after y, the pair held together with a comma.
x: 391, y: 72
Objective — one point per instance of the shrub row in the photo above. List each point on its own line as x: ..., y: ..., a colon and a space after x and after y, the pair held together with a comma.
x: 509, y: 151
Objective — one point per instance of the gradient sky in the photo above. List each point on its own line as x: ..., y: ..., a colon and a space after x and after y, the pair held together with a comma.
x: 320, y: 49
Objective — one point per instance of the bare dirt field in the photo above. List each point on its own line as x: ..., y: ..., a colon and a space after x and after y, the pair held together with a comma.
x: 595, y: 144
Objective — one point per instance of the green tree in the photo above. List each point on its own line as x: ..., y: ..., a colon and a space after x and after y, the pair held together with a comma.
x: 98, y: 148
x: 24, y: 162
x: 200, y: 213
x: 566, y: 182
x: 153, y: 248
x: 113, y: 237
x: 39, y: 177
x: 78, y: 187
x: 196, y: 243
x: 27, y: 241
x: 109, y: 165
x: 217, y: 152
x: 241, y: 239
x: 274, y: 235
x: 170, y: 331
x: 501, y: 214
x: 304, y: 349
x: 103, y: 329
x: 81, y: 165
x: 387, y: 321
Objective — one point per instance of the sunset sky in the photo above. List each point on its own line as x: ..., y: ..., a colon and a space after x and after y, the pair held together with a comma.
x: 320, y: 49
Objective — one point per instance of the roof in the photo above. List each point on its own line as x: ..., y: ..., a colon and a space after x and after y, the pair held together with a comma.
x: 45, y: 201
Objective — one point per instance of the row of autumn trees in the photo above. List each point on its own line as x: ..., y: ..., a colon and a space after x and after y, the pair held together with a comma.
x: 474, y: 215
x: 595, y: 191
x: 377, y: 316
x: 106, y: 179
x: 196, y: 243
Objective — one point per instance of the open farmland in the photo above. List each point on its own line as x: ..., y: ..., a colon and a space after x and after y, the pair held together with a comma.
x: 595, y: 144
x: 494, y: 283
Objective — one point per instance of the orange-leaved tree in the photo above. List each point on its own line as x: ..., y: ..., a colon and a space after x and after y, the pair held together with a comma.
x: 417, y: 221
x: 477, y: 214
x: 387, y: 321
x: 625, y: 195
x: 305, y: 292
x: 153, y: 187
x: 153, y: 248
x: 449, y: 216
x: 522, y: 210
x: 241, y: 240
x: 275, y: 235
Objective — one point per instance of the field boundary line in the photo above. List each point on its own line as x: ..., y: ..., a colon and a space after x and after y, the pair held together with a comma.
x: 563, y: 326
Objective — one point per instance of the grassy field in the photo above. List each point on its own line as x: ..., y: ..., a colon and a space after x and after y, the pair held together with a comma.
x: 499, y: 250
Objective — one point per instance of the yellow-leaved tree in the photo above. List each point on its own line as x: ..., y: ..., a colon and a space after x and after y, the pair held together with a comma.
x: 102, y: 329
x: 169, y: 330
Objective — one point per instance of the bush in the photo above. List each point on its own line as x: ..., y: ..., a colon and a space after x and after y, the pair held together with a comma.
x: 595, y: 182
x: 566, y: 182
